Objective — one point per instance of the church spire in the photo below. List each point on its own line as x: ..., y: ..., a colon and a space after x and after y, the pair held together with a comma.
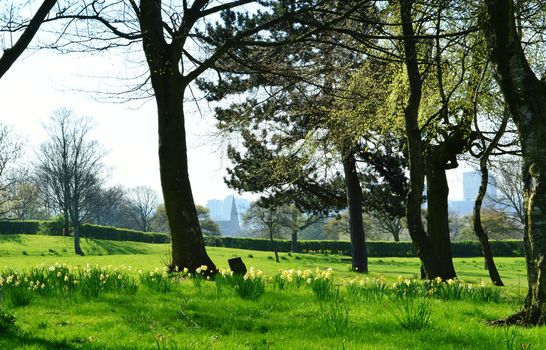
x: 234, y: 214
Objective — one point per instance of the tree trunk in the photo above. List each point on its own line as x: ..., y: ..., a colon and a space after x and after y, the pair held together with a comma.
x: 294, y: 243
x: 526, y: 98
x: 356, y: 225
x: 437, y: 222
x: 273, y: 245
x: 77, y: 248
x: 416, y: 161
x: 188, y: 247
x: 478, y: 228
x: 66, y: 224
x: 163, y: 58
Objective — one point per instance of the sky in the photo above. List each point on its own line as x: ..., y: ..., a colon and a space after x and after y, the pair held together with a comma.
x: 41, y: 82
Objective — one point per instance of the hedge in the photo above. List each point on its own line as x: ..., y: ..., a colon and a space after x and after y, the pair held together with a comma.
x: 507, y: 248
x: 13, y: 227
x: 87, y: 231
x: 120, y: 234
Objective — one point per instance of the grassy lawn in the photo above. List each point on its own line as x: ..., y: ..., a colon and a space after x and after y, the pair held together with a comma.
x: 212, y: 316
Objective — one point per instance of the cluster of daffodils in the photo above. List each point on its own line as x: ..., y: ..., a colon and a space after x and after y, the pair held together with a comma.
x: 66, y: 279
x: 253, y: 274
x: 290, y: 277
x: 324, y: 251
x: 327, y: 274
x: 201, y: 269
x: 225, y: 272
x: 377, y: 288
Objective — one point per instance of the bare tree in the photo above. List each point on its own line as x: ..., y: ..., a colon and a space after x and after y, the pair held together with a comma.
x: 142, y: 204
x: 10, y: 173
x: 70, y: 170
x: 28, y: 29
x: 509, y: 185
x: 26, y: 202
x: 267, y: 221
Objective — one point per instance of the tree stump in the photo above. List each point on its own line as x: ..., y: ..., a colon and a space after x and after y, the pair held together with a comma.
x: 237, y: 266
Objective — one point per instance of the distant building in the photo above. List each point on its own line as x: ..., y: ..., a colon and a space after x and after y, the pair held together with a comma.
x: 220, y: 210
x: 230, y: 227
x: 471, y: 186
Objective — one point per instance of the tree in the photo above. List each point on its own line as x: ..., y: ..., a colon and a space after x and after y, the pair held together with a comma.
x: 109, y: 207
x: 180, y: 44
x: 159, y: 221
x: 26, y: 202
x: 267, y: 221
x: 509, y: 186
x: 141, y: 205
x: 525, y: 95
x: 208, y: 226
x: 28, y: 29
x: 10, y: 171
x: 496, y: 223
x: 69, y: 171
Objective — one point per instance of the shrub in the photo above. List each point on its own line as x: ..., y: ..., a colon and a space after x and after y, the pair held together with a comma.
x: 118, y: 234
x: 52, y: 227
x: 509, y: 248
x: 12, y: 227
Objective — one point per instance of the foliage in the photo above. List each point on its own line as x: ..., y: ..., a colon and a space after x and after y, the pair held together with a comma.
x: 208, y: 226
x: 498, y: 224
x: 322, y: 285
x: 118, y: 234
x: 251, y: 286
x: 375, y: 248
x: 334, y: 316
x: 7, y: 321
x: 20, y: 227
x: 411, y: 314
x: 158, y: 280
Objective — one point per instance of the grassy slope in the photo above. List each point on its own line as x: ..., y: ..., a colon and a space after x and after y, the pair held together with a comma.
x: 285, y: 319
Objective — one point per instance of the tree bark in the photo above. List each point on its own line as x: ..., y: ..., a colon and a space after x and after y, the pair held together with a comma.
x: 526, y: 99
x: 416, y: 161
x: 294, y: 243
x: 478, y: 227
x: 163, y: 58
x: 480, y: 232
x: 437, y: 222
x: 356, y: 225
x: 273, y: 245
x: 66, y: 224
x: 77, y: 248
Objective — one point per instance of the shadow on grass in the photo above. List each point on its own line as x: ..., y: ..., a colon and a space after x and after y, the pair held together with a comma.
x: 10, y: 238
x: 16, y: 339
x: 97, y: 247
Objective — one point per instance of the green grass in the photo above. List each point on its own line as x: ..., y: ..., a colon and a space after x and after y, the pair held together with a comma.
x: 205, y: 317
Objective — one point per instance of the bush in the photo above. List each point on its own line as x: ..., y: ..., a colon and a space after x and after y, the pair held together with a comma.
x: 13, y: 227
x: 508, y: 248
x: 53, y: 227
x: 119, y: 234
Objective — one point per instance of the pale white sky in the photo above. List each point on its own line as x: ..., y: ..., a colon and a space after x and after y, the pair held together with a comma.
x: 41, y: 82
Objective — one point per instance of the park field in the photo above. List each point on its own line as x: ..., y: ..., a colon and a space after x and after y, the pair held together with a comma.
x: 133, y: 305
